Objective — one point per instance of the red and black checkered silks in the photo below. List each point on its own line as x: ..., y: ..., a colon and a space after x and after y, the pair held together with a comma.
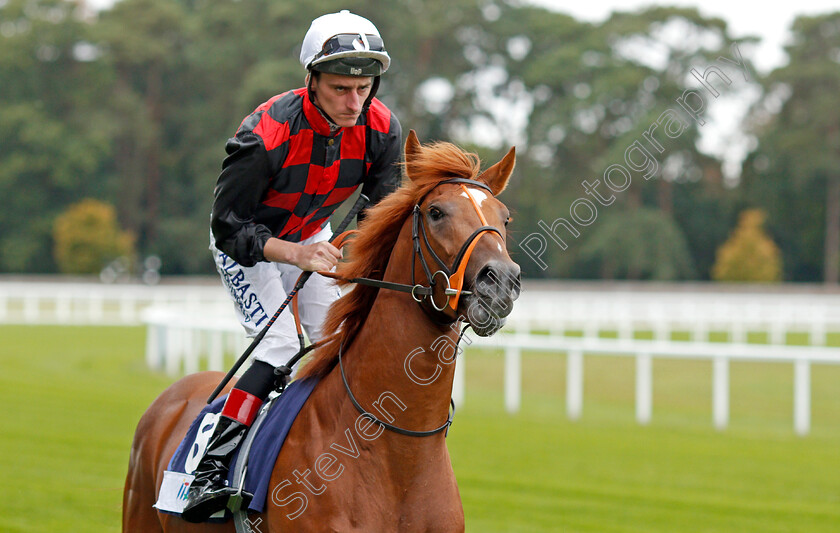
x: 285, y: 173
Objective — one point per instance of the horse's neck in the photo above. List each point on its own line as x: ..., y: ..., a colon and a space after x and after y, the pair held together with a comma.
x: 400, y: 355
x: 400, y: 351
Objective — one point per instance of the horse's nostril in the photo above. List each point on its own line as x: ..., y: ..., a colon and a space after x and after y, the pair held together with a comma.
x: 485, y: 275
x: 488, y: 280
x: 517, y: 283
x: 498, y: 279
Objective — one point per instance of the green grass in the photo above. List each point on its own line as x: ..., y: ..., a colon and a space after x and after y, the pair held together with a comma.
x: 537, y: 471
x: 72, y: 396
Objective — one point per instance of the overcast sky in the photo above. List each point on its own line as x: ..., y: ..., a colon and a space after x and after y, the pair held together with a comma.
x: 768, y: 20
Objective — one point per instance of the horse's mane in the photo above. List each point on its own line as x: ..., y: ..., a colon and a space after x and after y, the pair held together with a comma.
x: 371, y: 249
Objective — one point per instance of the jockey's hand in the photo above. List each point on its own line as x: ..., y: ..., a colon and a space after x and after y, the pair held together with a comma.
x: 318, y: 256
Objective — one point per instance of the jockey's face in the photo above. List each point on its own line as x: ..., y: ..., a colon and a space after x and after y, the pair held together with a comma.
x: 341, y: 97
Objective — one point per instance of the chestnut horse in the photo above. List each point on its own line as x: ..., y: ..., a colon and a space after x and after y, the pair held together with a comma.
x: 339, y: 471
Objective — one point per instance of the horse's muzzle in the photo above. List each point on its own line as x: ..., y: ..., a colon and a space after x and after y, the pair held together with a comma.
x: 495, y: 288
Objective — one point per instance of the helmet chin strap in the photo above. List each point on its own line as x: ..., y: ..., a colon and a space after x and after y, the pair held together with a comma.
x: 333, y: 126
x: 373, y: 89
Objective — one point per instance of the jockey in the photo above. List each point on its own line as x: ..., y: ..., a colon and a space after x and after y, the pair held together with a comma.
x: 292, y: 162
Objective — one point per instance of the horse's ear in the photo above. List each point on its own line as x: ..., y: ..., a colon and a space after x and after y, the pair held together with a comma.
x: 412, y: 150
x: 498, y: 175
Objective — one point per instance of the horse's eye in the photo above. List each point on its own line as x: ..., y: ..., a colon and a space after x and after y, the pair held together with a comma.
x: 435, y: 213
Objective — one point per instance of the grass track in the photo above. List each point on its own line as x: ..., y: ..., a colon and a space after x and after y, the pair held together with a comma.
x: 539, y: 472
x: 71, y: 398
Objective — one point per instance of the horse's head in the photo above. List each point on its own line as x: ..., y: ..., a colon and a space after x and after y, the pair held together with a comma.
x: 459, y: 234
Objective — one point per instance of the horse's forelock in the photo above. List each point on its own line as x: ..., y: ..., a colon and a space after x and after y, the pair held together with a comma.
x: 440, y: 161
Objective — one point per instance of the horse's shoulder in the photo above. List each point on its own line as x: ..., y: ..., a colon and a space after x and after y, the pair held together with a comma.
x: 193, y: 385
x: 177, y: 406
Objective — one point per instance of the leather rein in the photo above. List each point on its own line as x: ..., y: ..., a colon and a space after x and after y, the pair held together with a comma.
x: 453, y: 277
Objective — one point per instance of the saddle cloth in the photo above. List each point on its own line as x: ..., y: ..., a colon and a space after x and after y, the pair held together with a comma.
x: 263, y: 454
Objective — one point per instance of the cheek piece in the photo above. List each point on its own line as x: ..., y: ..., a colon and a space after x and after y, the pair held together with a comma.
x: 453, y: 276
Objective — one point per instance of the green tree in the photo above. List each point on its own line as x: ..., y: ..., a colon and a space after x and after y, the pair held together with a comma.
x: 795, y: 171
x: 641, y: 243
x: 87, y: 237
x: 596, y: 91
x: 53, y: 136
x: 749, y: 254
x: 134, y: 106
x: 143, y: 42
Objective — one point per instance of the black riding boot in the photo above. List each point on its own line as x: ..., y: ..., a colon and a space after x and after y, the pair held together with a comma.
x: 208, y: 492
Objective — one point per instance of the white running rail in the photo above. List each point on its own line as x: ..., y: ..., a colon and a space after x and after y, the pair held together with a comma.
x: 191, y: 326
x: 645, y: 351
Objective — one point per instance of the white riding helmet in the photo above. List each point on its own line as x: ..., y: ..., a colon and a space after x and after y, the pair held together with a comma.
x: 346, y: 44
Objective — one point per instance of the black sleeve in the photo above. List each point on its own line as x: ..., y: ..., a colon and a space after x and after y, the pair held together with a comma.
x: 239, y: 189
x: 384, y: 175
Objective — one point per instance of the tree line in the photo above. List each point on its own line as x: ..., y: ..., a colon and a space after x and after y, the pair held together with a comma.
x: 131, y: 106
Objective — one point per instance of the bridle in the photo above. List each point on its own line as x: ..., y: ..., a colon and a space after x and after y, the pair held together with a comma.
x: 386, y: 425
x: 453, y: 277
